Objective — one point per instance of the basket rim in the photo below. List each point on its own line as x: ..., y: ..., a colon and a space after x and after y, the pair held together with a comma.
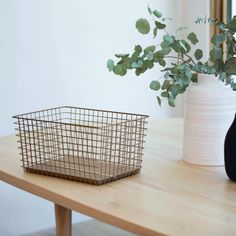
x: 85, y: 108
x: 20, y: 116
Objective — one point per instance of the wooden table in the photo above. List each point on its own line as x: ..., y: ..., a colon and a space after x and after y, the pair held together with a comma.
x: 168, y: 197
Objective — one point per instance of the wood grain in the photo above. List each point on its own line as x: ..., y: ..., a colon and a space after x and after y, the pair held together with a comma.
x: 63, y: 220
x: 168, y: 197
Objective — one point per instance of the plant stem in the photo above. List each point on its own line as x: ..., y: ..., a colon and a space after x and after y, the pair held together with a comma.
x: 181, y: 59
x: 190, y: 58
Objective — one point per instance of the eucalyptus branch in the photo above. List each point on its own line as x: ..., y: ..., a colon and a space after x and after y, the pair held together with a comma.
x: 190, y: 58
x: 186, y: 62
x: 180, y: 48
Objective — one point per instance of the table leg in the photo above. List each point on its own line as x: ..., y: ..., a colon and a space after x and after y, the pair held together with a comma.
x: 63, y: 220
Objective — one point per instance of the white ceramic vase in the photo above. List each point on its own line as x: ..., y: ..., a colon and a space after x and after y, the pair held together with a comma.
x: 209, y: 110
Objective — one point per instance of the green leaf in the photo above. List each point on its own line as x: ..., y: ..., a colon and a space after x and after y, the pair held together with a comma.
x: 218, y: 39
x: 230, y: 66
x: 215, y: 53
x: 120, y: 70
x: 165, y: 85
x: 150, y: 56
x: 223, y: 76
x: 149, y: 49
x: 185, y: 47
x: 158, y: 55
x: 138, y: 71
x: 142, y: 26
x: 137, y: 52
x: 176, y: 46
x: 110, y: 64
x: 122, y: 55
x: 219, y: 65
x: 138, y: 49
x: 211, y: 70
x: 171, y: 101
x: 149, y: 10
x: 161, y: 62
x: 194, y: 78
x: 181, y: 81
x: 159, y: 25
x: 192, y: 37
x: 168, y: 39
x: 137, y: 64
x: 165, y: 94
x: 159, y: 100
x: 232, y: 24
x: 165, y: 51
x: 167, y: 75
x: 155, y: 85
x: 164, y: 44
x: 198, y: 54
x: 148, y: 64
x: 155, y: 32
x: 189, y: 74
x: 157, y: 13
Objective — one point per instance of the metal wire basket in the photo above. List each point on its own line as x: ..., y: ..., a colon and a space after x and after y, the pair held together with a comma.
x: 88, y: 145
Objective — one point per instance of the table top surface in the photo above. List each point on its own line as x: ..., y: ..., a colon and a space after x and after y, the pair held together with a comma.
x: 168, y: 197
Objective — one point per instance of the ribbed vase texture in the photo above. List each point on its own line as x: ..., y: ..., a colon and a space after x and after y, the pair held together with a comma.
x: 209, y: 110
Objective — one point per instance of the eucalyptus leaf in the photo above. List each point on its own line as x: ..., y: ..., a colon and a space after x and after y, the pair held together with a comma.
x: 232, y: 24
x: 161, y: 62
x: 150, y: 56
x: 171, y: 101
x: 194, y: 78
x: 167, y: 75
x: 215, y: 53
x: 119, y: 70
x: 121, y: 55
x: 159, y: 25
x: 165, y: 44
x: 138, y: 49
x: 138, y: 71
x: 165, y: 51
x: 137, y: 64
x: 155, y: 32
x: 165, y: 85
x: 155, y: 85
x: 198, y: 54
x: 143, y: 26
x: 165, y: 94
x: 159, y: 100
x: 218, y: 39
x: 192, y: 37
x: 137, y: 52
x: 149, y: 10
x: 230, y: 66
x: 157, y: 13
x: 184, y: 45
x: 149, y: 49
x: 223, y: 76
x: 158, y: 55
x: 168, y: 39
x: 110, y: 64
x: 148, y: 64
x: 189, y: 74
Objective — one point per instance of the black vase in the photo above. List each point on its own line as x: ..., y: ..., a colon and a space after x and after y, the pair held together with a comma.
x: 230, y: 151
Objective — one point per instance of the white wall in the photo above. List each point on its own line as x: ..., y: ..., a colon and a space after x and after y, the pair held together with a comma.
x: 54, y: 52
x: 192, y: 10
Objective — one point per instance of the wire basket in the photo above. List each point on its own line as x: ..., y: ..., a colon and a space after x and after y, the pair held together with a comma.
x: 88, y: 145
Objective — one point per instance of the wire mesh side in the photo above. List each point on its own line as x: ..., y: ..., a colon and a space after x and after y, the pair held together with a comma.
x: 88, y: 145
